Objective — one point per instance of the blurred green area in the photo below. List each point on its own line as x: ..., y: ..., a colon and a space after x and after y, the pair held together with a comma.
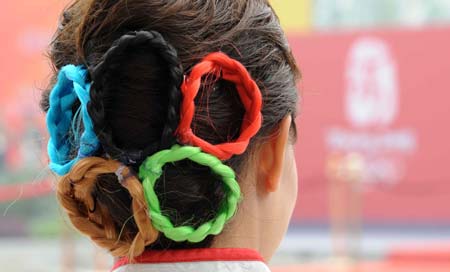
x: 363, y: 14
x: 34, y: 217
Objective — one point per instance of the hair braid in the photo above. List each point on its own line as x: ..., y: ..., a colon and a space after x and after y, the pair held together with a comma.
x: 101, y: 77
x: 75, y: 194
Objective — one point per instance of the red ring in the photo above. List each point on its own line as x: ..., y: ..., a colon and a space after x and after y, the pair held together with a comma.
x: 231, y: 70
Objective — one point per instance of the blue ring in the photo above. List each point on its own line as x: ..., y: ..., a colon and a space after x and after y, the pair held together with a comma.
x: 70, y: 87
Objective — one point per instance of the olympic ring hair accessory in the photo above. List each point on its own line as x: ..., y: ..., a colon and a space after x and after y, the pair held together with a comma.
x: 229, y: 69
x: 70, y: 87
x: 151, y: 169
x: 75, y: 192
x: 160, y: 46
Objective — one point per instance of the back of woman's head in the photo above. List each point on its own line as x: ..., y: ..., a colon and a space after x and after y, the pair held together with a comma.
x: 135, y: 86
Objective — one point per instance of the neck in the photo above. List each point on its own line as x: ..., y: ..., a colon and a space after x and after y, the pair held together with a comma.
x: 241, y: 232
x: 249, y: 228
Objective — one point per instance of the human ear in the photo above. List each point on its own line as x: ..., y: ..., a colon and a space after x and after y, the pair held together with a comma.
x: 272, y: 156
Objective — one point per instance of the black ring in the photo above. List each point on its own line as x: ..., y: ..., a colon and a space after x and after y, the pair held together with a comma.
x: 96, y: 107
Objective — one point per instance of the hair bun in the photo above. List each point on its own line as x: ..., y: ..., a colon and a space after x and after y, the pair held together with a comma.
x: 111, y: 61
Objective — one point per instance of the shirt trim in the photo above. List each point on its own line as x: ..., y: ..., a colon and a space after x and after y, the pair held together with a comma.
x: 192, y: 255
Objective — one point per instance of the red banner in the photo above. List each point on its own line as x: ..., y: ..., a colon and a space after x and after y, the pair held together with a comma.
x: 377, y: 103
x: 22, y: 191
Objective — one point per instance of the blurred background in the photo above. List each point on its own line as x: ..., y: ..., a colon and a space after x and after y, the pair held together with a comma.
x: 373, y: 151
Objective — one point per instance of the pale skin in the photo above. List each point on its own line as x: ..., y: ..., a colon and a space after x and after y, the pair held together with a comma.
x: 269, y: 189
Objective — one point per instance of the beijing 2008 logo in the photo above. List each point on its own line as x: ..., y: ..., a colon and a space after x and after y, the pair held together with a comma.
x: 375, y: 144
x: 371, y: 84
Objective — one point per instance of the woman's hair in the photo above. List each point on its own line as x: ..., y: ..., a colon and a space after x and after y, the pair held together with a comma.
x: 135, y: 102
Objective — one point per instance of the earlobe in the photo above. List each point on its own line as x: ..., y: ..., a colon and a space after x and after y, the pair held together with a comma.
x: 272, y: 156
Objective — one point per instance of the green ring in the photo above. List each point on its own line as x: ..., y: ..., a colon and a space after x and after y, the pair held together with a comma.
x: 150, y: 171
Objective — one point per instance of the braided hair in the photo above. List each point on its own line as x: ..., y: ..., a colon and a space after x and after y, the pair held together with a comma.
x: 101, y: 76
x: 78, y: 191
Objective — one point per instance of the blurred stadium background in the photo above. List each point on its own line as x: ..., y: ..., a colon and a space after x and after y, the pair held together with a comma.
x: 373, y: 151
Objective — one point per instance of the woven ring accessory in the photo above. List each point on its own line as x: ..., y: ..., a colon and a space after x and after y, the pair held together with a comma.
x: 231, y: 70
x: 113, y: 59
x: 70, y: 87
x: 152, y: 168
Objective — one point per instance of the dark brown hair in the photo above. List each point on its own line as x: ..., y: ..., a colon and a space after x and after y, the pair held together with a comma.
x: 246, y: 30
